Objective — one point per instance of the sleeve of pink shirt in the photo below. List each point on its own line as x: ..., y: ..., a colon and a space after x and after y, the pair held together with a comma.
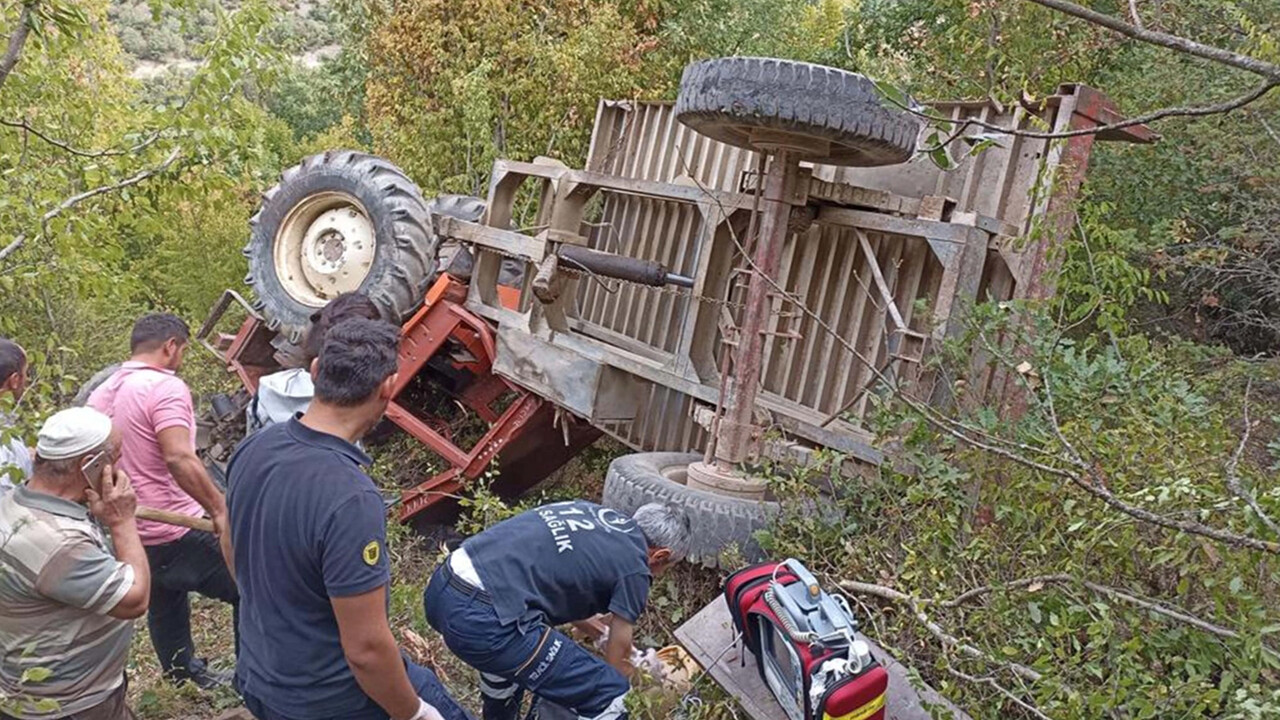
x: 171, y: 406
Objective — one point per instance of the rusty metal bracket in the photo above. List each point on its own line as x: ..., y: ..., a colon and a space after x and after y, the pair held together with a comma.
x: 215, y: 315
x: 548, y: 284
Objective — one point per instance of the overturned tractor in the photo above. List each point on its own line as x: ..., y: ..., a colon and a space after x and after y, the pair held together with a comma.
x: 727, y: 282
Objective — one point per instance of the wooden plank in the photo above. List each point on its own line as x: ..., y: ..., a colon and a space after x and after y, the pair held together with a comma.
x: 915, y: 227
x: 814, y: 335
x: 807, y: 248
x: 710, y: 638
x: 512, y: 243
x: 841, y: 320
x: 877, y: 273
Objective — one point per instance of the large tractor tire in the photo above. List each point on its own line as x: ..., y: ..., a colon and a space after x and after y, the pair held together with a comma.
x: 341, y: 221
x: 734, y: 99
x: 86, y: 389
x: 718, y: 522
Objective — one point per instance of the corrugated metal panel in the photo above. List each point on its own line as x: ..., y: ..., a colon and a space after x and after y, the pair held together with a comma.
x: 998, y: 183
x: 825, y: 267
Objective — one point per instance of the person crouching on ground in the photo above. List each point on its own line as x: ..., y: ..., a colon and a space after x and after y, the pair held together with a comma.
x: 68, y: 595
x: 496, y: 600
x: 308, y: 532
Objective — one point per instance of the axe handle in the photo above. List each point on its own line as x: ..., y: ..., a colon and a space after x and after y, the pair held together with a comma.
x: 173, y: 518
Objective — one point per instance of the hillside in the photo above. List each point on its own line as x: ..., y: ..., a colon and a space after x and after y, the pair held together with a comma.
x: 305, y: 29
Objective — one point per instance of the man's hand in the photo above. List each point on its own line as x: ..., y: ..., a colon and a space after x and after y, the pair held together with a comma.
x: 114, y: 502
x: 618, y: 648
x: 426, y: 711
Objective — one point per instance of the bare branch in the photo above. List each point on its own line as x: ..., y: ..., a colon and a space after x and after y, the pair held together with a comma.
x: 1000, y: 689
x: 1266, y: 126
x: 968, y: 595
x: 1133, y: 14
x: 67, y: 147
x: 1182, y: 111
x: 13, y: 246
x: 81, y: 197
x: 17, y: 39
x: 946, y: 638
x: 1153, y: 606
x: 1172, y: 42
x: 1233, y: 466
x: 1268, y: 71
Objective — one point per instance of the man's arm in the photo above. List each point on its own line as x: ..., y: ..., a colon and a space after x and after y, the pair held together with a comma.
x: 187, y: 470
x: 113, y: 504
x: 617, y: 650
x: 95, y: 583
x: 372, y: 653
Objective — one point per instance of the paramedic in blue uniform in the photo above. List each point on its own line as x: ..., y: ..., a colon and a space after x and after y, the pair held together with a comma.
x: 497, y: 599
x: 309, y: 533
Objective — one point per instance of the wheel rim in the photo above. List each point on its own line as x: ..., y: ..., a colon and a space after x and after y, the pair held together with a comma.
x: 325, y: 247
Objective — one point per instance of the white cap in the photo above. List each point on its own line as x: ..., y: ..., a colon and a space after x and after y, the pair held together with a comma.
x: 72, y: 432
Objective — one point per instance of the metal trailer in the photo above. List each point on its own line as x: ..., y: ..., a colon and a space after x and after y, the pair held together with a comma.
x: 888, y: 258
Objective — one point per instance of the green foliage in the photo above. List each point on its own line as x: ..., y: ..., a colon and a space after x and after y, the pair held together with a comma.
x: 175, y: 31
x: 1159, y: 421
x: 454, y: 86
x: 1200, y: 205
x: 88, y: 266
x: 1102, y: 276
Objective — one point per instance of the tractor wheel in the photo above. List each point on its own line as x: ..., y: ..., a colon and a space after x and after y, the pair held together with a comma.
x: 751, y: 102
x: 718, y: 521
x: 82, y: 395
x: 341, y: 221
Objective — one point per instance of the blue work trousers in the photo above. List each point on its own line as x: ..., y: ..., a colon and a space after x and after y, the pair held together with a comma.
x: 539, y: 659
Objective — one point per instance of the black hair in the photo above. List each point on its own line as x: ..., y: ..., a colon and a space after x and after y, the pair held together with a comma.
x: 153, y: 330
x: 356, y: 356
x: 12, y: 359
x: 346, y: 306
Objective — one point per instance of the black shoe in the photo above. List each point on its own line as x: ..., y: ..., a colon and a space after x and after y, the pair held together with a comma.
x: 202, y: 676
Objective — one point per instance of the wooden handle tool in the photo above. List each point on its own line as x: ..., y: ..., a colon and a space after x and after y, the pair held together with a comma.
x: 173, y: 518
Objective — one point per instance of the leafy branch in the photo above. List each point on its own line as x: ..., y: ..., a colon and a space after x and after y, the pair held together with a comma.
x: 1219, y: 55
x: 1233, y: 465
x: 78, y: 198
x: 66, y: 147
x: 939, y: 141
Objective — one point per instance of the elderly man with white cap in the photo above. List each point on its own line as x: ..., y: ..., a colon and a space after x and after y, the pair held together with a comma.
x: 68, y: 592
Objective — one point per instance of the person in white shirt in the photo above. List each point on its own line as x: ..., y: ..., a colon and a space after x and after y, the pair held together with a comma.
x: 283, y: 394
x: 15, y: 457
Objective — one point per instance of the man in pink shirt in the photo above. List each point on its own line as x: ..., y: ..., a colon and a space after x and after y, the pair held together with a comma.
x: 151, y: 407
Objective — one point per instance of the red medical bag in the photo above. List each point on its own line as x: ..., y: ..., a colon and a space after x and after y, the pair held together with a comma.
x: 804, y: 644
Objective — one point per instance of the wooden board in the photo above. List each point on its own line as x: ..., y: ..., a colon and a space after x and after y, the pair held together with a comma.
x: 709, y: 638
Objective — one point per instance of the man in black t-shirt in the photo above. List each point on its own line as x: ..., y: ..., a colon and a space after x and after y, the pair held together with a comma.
x: 496, y: 600
x: 309, y: 536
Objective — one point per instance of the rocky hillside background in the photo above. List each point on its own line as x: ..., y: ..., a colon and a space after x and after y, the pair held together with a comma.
x: 168, y: 38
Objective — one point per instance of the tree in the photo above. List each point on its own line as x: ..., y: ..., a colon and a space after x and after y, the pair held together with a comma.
x: 88, y: 162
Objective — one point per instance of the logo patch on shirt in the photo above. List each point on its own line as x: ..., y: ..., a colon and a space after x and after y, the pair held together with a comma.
x: 372, y: 552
